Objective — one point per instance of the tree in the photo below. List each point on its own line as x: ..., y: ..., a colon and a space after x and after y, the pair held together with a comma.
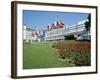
x: 88, y: 23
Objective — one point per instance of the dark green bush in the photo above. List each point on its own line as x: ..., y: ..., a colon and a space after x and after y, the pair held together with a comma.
x: 78, y: 53
x: 80, y: 59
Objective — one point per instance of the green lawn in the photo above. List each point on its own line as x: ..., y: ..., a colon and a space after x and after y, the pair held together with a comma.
x: 41, y: 55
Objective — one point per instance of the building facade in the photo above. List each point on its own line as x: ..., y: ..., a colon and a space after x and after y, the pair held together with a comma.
x: 57, y: 31
x: 29, y: 34
x: 77, y: 30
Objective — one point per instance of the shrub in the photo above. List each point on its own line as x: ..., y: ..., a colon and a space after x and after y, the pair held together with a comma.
x: 76, y: 53
x: 80, y: 59
x: 70, y: 37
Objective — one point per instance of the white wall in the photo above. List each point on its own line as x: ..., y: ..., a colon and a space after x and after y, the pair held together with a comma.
x: 5, y: 41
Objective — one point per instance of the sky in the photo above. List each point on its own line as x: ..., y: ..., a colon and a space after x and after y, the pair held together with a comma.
x: 41, y: 19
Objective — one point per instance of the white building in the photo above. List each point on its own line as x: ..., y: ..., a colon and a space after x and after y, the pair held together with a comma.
x: 29, y: 34
x: 78, y: 30
x: 57, y: 31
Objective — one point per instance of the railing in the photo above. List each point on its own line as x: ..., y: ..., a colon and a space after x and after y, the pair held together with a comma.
x: 61, y: 32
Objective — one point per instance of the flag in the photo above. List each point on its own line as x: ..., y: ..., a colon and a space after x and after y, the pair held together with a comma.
x: 53, y: 26
x: 57, y: 26
x: 36, y: 33
x: 33, y: 34
x: 49, y: 27
x: 57, y: 23
x: 61, y: 25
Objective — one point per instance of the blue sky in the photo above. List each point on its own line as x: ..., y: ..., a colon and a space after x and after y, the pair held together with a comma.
x: 40, y: 19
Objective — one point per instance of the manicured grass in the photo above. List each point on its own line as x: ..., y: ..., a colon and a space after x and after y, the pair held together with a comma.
x: 41, y: 55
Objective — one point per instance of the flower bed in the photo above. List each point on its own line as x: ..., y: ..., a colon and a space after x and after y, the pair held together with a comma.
x: 74, y: 53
